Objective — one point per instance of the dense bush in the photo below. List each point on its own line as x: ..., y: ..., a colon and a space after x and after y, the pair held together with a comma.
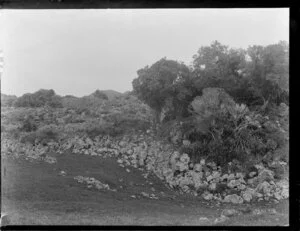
x: 42, y: 136
x: 39, y: 99
x: 100, y: 95
x: 8, y: 100
x: 94, y: 127
x: 256, y: 77
x: 86, y: 104
x: 166, y: 86
x: 29, y: 124
x: 221, y: 130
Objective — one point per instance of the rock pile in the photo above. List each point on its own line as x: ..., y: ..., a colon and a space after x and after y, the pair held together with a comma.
x: 27, y: 151
x: 92, y: 182
x: 205, y: 179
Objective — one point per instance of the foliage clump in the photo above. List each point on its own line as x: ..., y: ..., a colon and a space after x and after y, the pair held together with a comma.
x: 39, y: 99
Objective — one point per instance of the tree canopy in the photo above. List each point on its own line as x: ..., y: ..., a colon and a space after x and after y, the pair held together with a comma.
x: 255, y: 76
x: 167, y: 83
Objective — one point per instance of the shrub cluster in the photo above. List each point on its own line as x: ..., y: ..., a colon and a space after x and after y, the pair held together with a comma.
x: 39, y: 99
x: 221, y: 130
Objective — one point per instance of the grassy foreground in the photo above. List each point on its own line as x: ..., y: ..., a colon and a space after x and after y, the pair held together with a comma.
x: 33, y: 193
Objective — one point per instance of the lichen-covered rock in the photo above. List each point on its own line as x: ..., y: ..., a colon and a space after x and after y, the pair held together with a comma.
x: 221, y: 219
x: 284, y: 186
x: 122, y: 143
x: 173, y: 159
x: 241, y: 187
x: 265, y: 175
x: 184, y: 158
x: 257, y: 212
x: 233, y: 198
x: 167, y: 172
x: 230, y: 212
x: 207, y: 196
x: 231, y: 177
x: 224, y: 177
x: 212, y: 186
x: 248, y: 194
x: 239, y: 175
x: 182, y: 166
x: 263, y: 187
x: 183, y: 181
x: 233, y: 183
x: 252, y: 174
x: 186, y: 189
x: 186, y: 142
x: 216, y: 174
x: 198, y: 167
x: 209, y: 178
x: 253, y: 181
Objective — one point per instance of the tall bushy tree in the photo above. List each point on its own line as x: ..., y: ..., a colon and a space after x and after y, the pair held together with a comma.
x: 268, y: 72
x: 261, y: 79
x: 164, y: 84
x: 218, y: 61
x: 218, y: 66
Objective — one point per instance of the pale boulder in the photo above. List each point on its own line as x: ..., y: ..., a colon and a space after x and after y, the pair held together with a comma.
x: 197, y: 167
x: 233, y: 198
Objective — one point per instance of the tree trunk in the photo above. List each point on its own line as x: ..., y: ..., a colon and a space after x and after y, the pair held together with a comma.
x: 156, y: 120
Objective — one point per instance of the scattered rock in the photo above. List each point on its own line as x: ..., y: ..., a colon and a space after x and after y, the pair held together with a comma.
x: 229, y: 212
x: 221, y: 219
x: 186, y: 142
x: 257, y: 212
x: 266, y: 175
x: 235, y: 199
x: 207, y: 196
x: 145, y: 194
x: 248, y: 194
x: 198, y: 167
x: 203, y: 219
x: 252, y: 174
x: 212, y: 186
x: 272, y: 211
x: 62, y: 173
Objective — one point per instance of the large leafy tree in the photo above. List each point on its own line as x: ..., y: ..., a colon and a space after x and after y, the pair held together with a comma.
x: 165, y: 86
x: 218, y: 61
x: 268, y: 71
x: 218, y: 66
x: 261, y: 79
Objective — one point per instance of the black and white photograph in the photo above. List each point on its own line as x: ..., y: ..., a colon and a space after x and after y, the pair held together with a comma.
x: 145, y: 117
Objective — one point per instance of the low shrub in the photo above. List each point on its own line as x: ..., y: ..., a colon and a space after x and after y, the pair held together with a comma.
x: 101, y: 130
x: 29, y: 124
x: 29, y: 137
x: 43, y: 135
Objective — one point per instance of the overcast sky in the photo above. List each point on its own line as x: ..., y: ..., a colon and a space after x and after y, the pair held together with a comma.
x: 78, y: 51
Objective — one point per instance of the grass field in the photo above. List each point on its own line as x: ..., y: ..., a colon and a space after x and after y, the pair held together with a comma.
x: 34, y: 193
